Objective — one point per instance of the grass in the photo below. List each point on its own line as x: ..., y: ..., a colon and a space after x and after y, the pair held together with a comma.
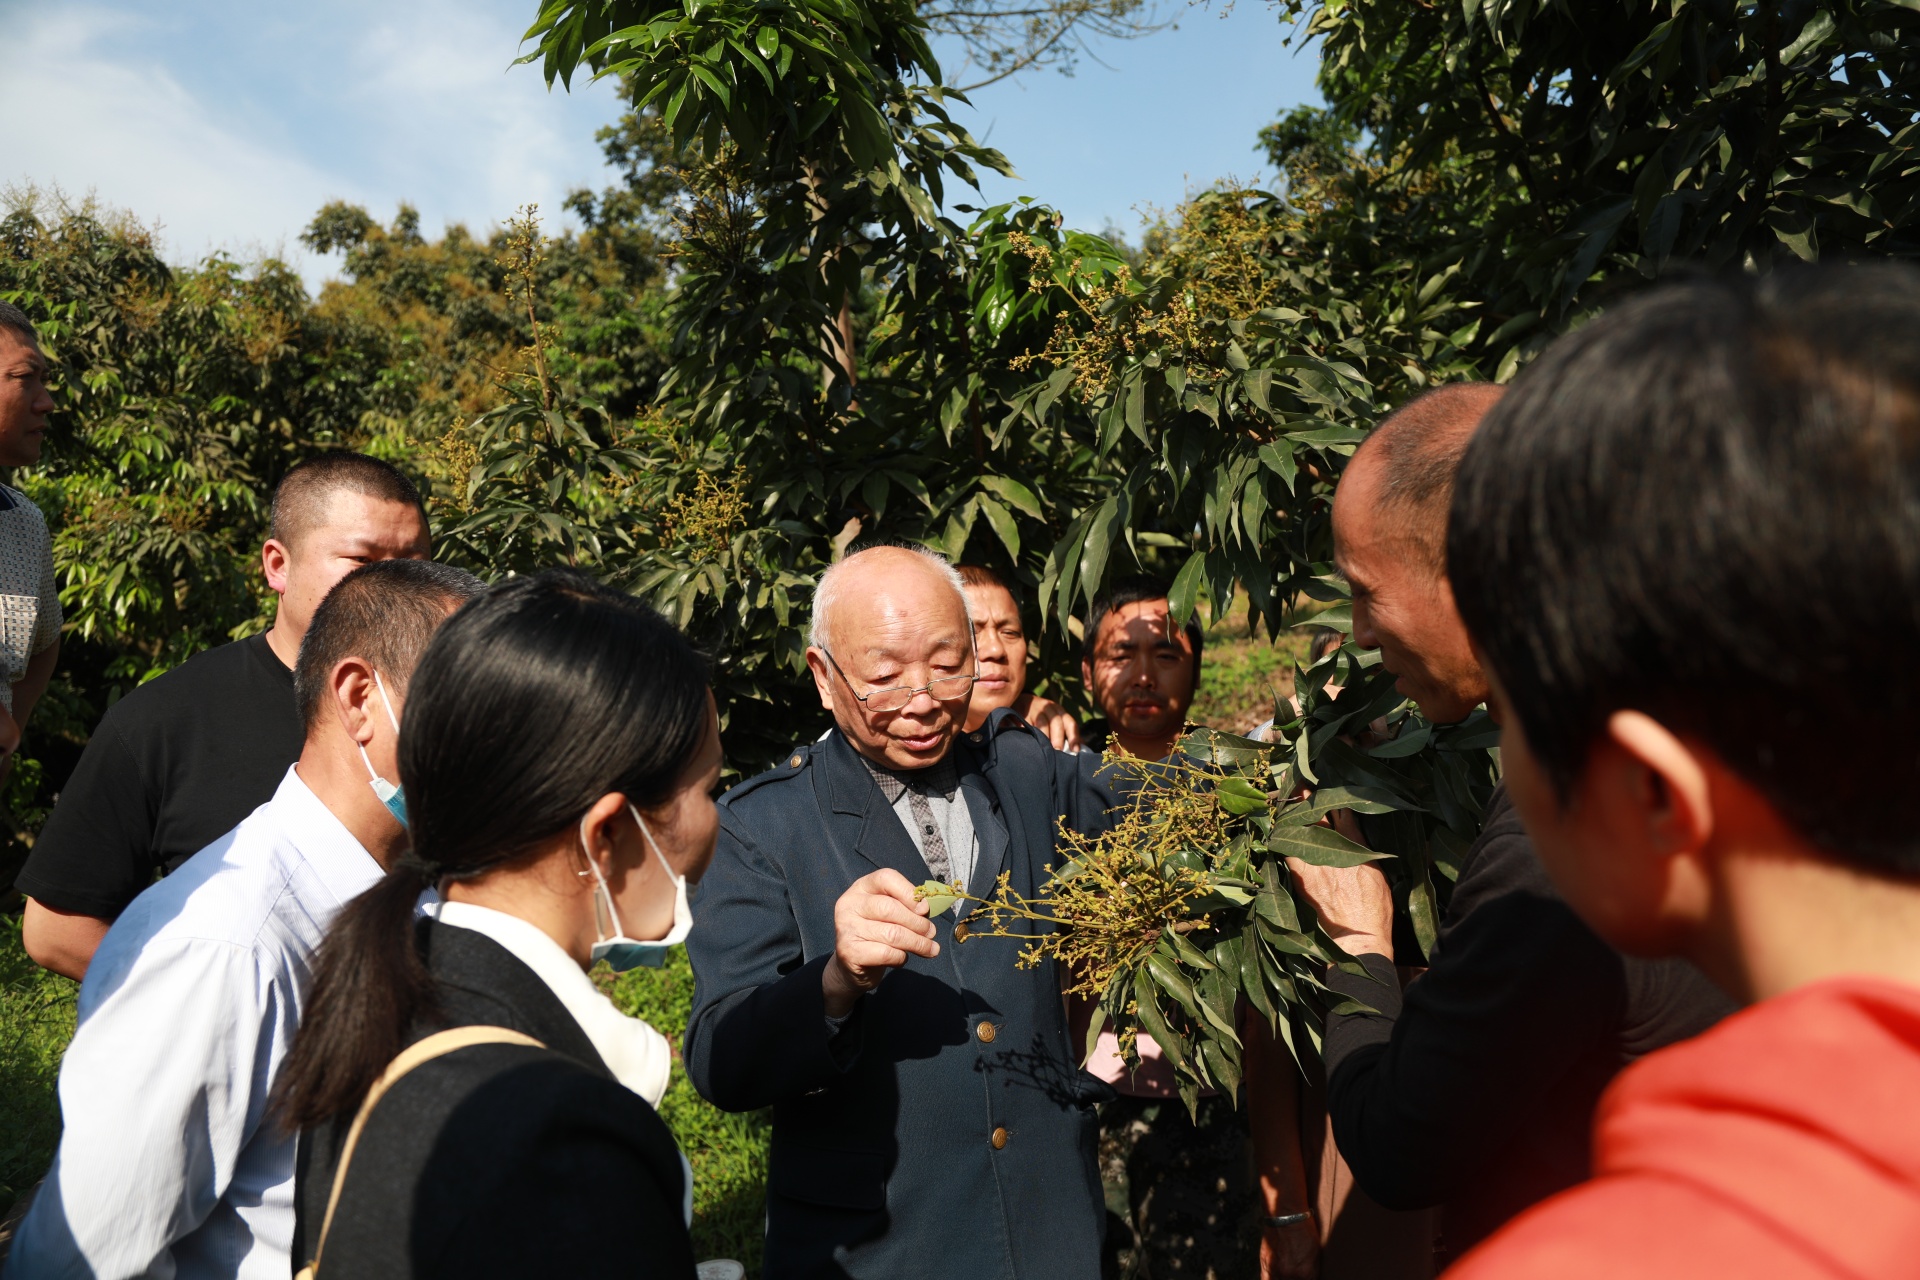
x: 36, y: 1021
x: 728, y: 1152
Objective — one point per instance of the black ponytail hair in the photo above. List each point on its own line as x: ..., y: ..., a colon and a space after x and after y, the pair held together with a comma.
x: 531, y: 703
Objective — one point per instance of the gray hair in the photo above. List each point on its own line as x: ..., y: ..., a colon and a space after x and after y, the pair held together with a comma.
x: 12, y: 317
x: 826, y: 593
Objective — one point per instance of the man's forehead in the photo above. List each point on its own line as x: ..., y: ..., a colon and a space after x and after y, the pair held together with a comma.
x: 17, y: 350
x: 1142, y: 620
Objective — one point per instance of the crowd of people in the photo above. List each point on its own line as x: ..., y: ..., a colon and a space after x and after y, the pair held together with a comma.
x: 334, y: 892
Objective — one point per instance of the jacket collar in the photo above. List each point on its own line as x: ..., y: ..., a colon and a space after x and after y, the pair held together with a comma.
x: 868, y: 823
x: 471, y: 962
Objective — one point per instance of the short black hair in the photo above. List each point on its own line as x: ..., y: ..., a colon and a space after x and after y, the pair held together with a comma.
x: 1666, y: 501
x: 1133, y: 590
x: 385, y: 612
x: 978, y: 575
x: 300, y: 499
x: 12, y: 317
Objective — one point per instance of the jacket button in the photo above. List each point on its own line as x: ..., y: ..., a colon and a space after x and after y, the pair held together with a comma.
x: 795, y: 762
x: 975, y: 736
x: 999, y: 1139
x: 986, y: 1031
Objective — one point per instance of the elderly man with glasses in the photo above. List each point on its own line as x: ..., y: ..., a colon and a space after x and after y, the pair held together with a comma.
x: 930, y: 1116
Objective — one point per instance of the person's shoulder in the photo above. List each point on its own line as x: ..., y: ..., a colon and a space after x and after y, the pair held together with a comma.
x: 1006, y: 729
x: 766, y: 788
x: 187, y: 686
x: 1502, y: 858
x: 224, y: 895
x: 1638, y: 1224
x: 507, y: 1096
x: 17, y: 507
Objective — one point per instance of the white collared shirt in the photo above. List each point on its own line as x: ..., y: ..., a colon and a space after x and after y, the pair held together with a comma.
x: 168, y: 1165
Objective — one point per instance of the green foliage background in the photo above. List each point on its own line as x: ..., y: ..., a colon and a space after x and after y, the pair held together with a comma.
x: 772, y: 339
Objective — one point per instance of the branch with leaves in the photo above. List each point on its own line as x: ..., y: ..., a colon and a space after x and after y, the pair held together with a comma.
x: 1183, y: 911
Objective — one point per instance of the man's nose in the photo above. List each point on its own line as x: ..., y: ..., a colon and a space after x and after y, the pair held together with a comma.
x: 1363, y: 634
x: 922, y: 706
x: 43, y: 403
x: 987, y: 646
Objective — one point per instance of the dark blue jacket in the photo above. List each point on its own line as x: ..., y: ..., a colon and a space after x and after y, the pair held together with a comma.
x: 884, y: 1160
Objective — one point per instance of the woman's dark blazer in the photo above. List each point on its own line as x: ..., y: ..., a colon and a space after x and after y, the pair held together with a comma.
x: 499, y: 1160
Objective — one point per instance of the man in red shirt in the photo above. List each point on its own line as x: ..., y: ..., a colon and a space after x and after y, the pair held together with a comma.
x: 1643, y: 533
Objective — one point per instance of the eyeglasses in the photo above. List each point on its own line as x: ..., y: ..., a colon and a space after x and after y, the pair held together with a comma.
x: 945, y: 689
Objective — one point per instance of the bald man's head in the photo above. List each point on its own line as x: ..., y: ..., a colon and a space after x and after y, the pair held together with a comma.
x: 1416, y: 452
x: 1389, y: 540
x: 889, y: 619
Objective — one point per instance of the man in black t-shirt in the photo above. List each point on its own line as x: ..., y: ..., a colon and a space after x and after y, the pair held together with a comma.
x: 181, y: 760
x: 1474, y: 1090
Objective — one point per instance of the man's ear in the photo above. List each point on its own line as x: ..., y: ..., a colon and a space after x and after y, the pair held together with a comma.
x: 275, y: 558
x: 1663, y: 792
x: 351, y: 690
x: 822, y: 676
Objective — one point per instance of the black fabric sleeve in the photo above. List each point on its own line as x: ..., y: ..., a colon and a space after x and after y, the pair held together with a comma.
x: 1422, y: 1094
x: 758, y: 1033
x: 95, y: 854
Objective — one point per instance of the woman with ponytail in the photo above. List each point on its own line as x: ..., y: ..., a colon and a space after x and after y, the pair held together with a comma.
x: 470, y: 1104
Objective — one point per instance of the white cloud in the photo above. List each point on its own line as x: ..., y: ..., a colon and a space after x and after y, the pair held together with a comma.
x: 230, y: 124
x: 139, y: 139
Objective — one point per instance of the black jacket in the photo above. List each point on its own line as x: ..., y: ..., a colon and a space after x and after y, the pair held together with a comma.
x: 499, y: 1160
x: 884, y: 1161
x: 1477, y: 1090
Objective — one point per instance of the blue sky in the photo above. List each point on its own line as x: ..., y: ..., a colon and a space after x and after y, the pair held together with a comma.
x: 229, y: 122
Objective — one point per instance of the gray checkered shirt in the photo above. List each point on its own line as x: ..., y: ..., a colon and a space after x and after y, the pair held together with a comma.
x: 930, y: 806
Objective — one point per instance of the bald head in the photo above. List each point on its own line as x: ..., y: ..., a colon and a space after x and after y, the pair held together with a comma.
x: 1409, y: 461
x: 893, y: 618
x: 901, y: 575
x: 1390, y: 538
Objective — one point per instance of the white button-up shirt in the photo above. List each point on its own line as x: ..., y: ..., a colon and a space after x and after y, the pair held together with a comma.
x: 168, y: 1165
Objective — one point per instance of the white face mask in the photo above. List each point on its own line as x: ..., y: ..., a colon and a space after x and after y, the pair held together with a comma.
x: 390, y: 795
x: 619, y: 951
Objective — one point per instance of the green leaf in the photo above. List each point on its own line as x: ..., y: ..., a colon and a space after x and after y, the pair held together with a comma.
x: 1321, y: 847
x: 1186, y: 588
x: 1274, y: 901
x: 1325, y: 800
x: 1167, y: 976
x: 1147, y: 997
x: 1240, y: 797
x: 1015, y: 494
x: 938, y: 897
x: 1095, y: 1025
x: 1187, y: 952
x: 1003, y: 525
x: 1407, y: 744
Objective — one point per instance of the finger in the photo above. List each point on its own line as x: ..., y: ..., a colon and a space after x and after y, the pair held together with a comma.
x: 894, y: 937
x: 1058, y: 735
x: 861, y: 958
x: 892, y: 911
x: 890, y: 883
